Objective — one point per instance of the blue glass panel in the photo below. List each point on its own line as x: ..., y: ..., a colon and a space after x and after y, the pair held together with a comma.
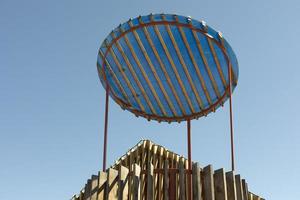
x: 143, y: 65
x: 158, y: 69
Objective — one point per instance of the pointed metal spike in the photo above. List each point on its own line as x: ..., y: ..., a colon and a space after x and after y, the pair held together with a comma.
x: 189, y: 19
x: 204, y: 25
x: 220, y: 34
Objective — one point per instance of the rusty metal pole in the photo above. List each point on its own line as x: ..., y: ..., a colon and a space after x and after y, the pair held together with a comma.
x: 231, y: 118
x: 189, y: 159
x: 105, y: 127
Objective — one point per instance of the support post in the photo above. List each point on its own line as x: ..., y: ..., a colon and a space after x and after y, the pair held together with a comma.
x: 189, y: 159
x: 231, y: 118
x: 105, y: 128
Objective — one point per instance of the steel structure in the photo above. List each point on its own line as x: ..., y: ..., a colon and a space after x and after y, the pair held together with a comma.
x: 167, y: 68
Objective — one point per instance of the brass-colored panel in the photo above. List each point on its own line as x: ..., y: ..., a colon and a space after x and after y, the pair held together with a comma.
x: 211, y: 77
x: 198, y: 98
x: 163, y: 68
x: 195, y: 65
x: 232, y: 72
x: 136, y: 36
x: 157, y: 32
x: 120, y: 49
x: 119, y: 85
x: 111, y: 51
x: 212, y: 49
x: 145, y: 76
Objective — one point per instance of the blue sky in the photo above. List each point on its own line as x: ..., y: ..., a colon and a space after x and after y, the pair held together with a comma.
x: 52, y: 104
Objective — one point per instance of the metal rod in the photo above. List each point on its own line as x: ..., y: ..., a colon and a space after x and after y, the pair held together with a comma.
x: 206, y: 65
x: 116, y: 80
x: 183, y: 64
x: 189, y: 159
x: 105, y: 128
x: 196, y: 66
x: 134, y: 75
x: 170, y: 59
x: 134, y: 94
x: 217, y: 62
x: 153, y: 69
x: 145, y: 75
x: 162, y: 67
x: 231, y: 118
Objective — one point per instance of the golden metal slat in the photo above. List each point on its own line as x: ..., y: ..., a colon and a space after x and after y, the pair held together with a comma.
x: 213, y: 81
x: 136, y: 36
x: 186, y: 43
x: 173, y: 67
x: 212, y: 49
x: 135, y: 76
x: 114, y: 96
x: 119, y: 85
x: 145, y: 76
x: 232, y: 72
x: 126, y: 80
x: 199, y: 100
x: 163, y: 68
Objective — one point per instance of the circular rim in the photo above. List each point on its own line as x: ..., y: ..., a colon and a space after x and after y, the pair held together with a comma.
x: 159, y: 118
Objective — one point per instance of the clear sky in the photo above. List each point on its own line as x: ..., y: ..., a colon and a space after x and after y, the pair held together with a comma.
x: 52, y: 104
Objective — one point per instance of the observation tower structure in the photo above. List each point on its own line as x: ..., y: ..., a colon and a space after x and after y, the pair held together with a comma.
x: 167, y: 68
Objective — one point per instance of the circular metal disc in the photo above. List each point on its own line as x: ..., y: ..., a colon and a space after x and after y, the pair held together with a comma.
x: 167, y: 67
